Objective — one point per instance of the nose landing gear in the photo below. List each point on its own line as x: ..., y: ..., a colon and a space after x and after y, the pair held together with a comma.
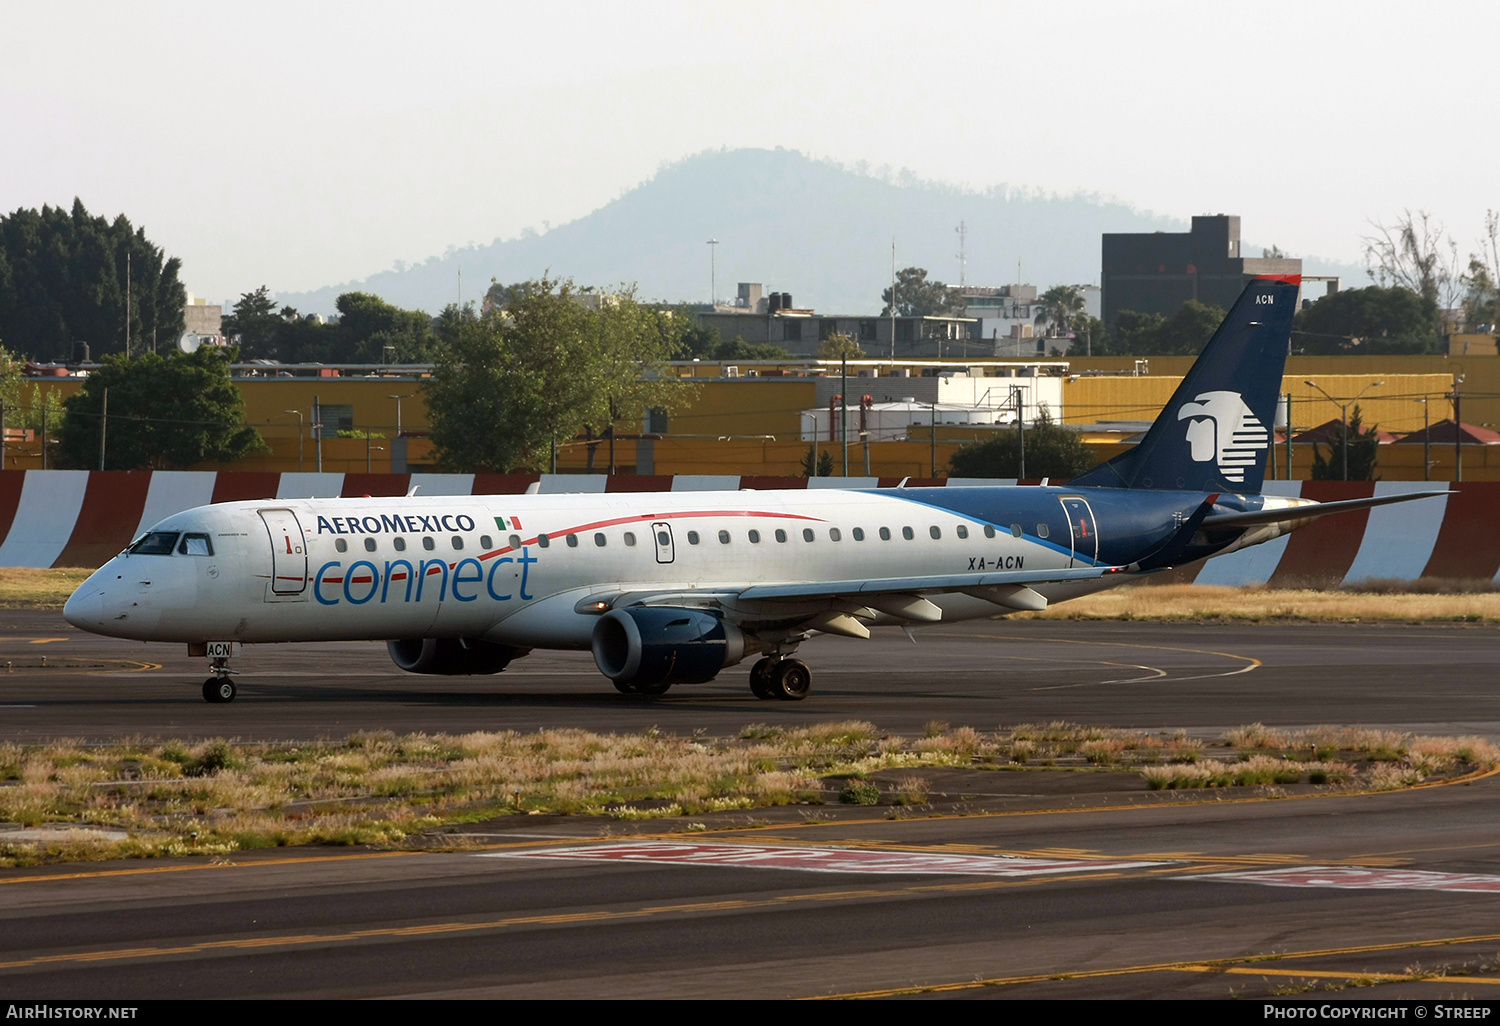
x: 776, y: 677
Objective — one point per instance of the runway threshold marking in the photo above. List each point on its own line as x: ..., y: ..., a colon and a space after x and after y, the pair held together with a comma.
x: 555, y: 919
x: 1237, y: 965
x: 820, y: 860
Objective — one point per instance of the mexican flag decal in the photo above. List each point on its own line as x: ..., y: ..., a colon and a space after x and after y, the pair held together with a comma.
x: 509, y: 523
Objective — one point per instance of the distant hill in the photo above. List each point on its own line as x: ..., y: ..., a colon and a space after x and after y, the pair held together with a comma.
x: 812, y: 228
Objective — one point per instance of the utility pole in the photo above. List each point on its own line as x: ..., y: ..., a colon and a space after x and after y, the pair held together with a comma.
x: 317, y: 426
x: 1289, y: 436
x: 934, y: 439
x: 44, y: 435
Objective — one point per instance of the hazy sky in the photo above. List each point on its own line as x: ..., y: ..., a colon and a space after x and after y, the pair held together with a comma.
x: 305, y: 144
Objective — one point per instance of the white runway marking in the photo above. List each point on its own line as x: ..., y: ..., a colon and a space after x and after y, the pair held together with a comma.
x: 821, y: 860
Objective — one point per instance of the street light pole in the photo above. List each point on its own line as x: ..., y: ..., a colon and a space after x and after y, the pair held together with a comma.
x: 299, y: 437
x: 1344, y: 416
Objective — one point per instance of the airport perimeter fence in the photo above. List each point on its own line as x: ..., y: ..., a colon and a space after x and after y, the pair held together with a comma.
x: 79, y: 518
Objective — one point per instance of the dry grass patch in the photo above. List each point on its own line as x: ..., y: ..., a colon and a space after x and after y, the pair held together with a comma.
x: 30, y: 588
x: 1203, y: 602
x: 380, y: 788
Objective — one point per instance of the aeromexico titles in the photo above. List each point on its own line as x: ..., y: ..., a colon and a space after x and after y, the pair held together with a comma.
x: 672, y: 588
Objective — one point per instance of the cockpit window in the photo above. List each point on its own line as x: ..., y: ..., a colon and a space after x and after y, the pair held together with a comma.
x: 196, y: 545
x: 156, y: 543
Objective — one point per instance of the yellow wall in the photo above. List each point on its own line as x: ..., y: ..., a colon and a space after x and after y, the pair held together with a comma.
x: 721, y: 432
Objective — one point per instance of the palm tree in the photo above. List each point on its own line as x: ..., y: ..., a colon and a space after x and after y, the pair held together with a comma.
x: 1061, y: 305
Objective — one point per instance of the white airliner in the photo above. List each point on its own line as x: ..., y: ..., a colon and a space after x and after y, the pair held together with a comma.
x: 671, y: 588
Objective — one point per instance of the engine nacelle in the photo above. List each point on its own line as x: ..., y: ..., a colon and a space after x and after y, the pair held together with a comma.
x: 451, y: 656
x: 661, y: 645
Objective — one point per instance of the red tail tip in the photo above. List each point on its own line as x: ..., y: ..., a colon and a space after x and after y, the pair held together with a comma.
x: 1290, y: 279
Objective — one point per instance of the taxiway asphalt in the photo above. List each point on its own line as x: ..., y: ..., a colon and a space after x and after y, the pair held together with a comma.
x: 1198, y: 897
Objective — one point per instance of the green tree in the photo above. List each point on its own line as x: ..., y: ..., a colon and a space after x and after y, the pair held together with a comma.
x: 1136, y: 334
x: 825, y: 462
x: 252, y: 325
x: 1364, y: 452
x: 1187, y: 331
x: 918, y: 297
x: 165, y: 413
x: 838, y: 346
x: 1369, y: 320
x: 63, y: 277
x: 1051, y: 451
x: 738, y: 349
x: 551, y: 362
x: 369, y: 326
x: 1062, y: 306
x: 27, y: 407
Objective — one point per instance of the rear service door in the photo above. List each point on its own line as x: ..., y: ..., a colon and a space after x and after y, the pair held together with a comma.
x: 288, y: 551
x: 661, y: 533
x: 1085, y: 532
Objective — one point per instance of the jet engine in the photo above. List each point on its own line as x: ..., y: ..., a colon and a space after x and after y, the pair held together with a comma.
x: 652, y: 647
x: 451, y: 656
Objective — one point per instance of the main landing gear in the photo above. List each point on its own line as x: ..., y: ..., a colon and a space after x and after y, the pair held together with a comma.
x: 219, y: 688
x: 775, y: 677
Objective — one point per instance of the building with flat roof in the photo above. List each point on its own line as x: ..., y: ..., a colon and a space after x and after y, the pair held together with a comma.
x: 1157, y: 272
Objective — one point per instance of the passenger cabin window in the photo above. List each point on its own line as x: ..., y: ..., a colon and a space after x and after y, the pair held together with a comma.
x: 1015, y: 530
x: 962, y: 530
x: 692, y: 538
x: 989, y: 530
x: 834, y: 534
x: 629, y: 538
x: 157, y: 543
x: 599, y: 539
x: 780, y: 535
x: 723, y: 537
x: 885, y: 534
x: 515, y: 541
x: 859, y: 534
x: 341, y: 545
x: 572, y: 541
x: 196, y: 545
x: 936, y: 532
x: 908, y: 533
x: 807, y: 534
x: 663, y: 538
x: 428, y: 543
x: 399, y: 544
x: 542, y: 542
x: 485, y: 541
x: 369, y: 544
x: 1042, y: 531
x: 458, y: 542
x: 754, y: 537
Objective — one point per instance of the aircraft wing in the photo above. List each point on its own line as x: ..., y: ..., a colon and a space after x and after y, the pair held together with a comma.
x: 933, y: 583
x: 1309, y: 511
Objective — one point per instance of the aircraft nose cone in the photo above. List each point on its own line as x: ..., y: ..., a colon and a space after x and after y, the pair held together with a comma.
x: 85, y: 608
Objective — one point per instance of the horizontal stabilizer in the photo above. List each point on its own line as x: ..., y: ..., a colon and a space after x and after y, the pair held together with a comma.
x: 1309, y: 511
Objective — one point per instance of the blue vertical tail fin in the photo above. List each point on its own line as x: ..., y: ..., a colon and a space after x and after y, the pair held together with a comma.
x: 1215, y: 433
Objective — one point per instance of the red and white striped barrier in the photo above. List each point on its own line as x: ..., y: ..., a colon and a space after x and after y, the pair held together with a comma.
x: 82, y: 518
